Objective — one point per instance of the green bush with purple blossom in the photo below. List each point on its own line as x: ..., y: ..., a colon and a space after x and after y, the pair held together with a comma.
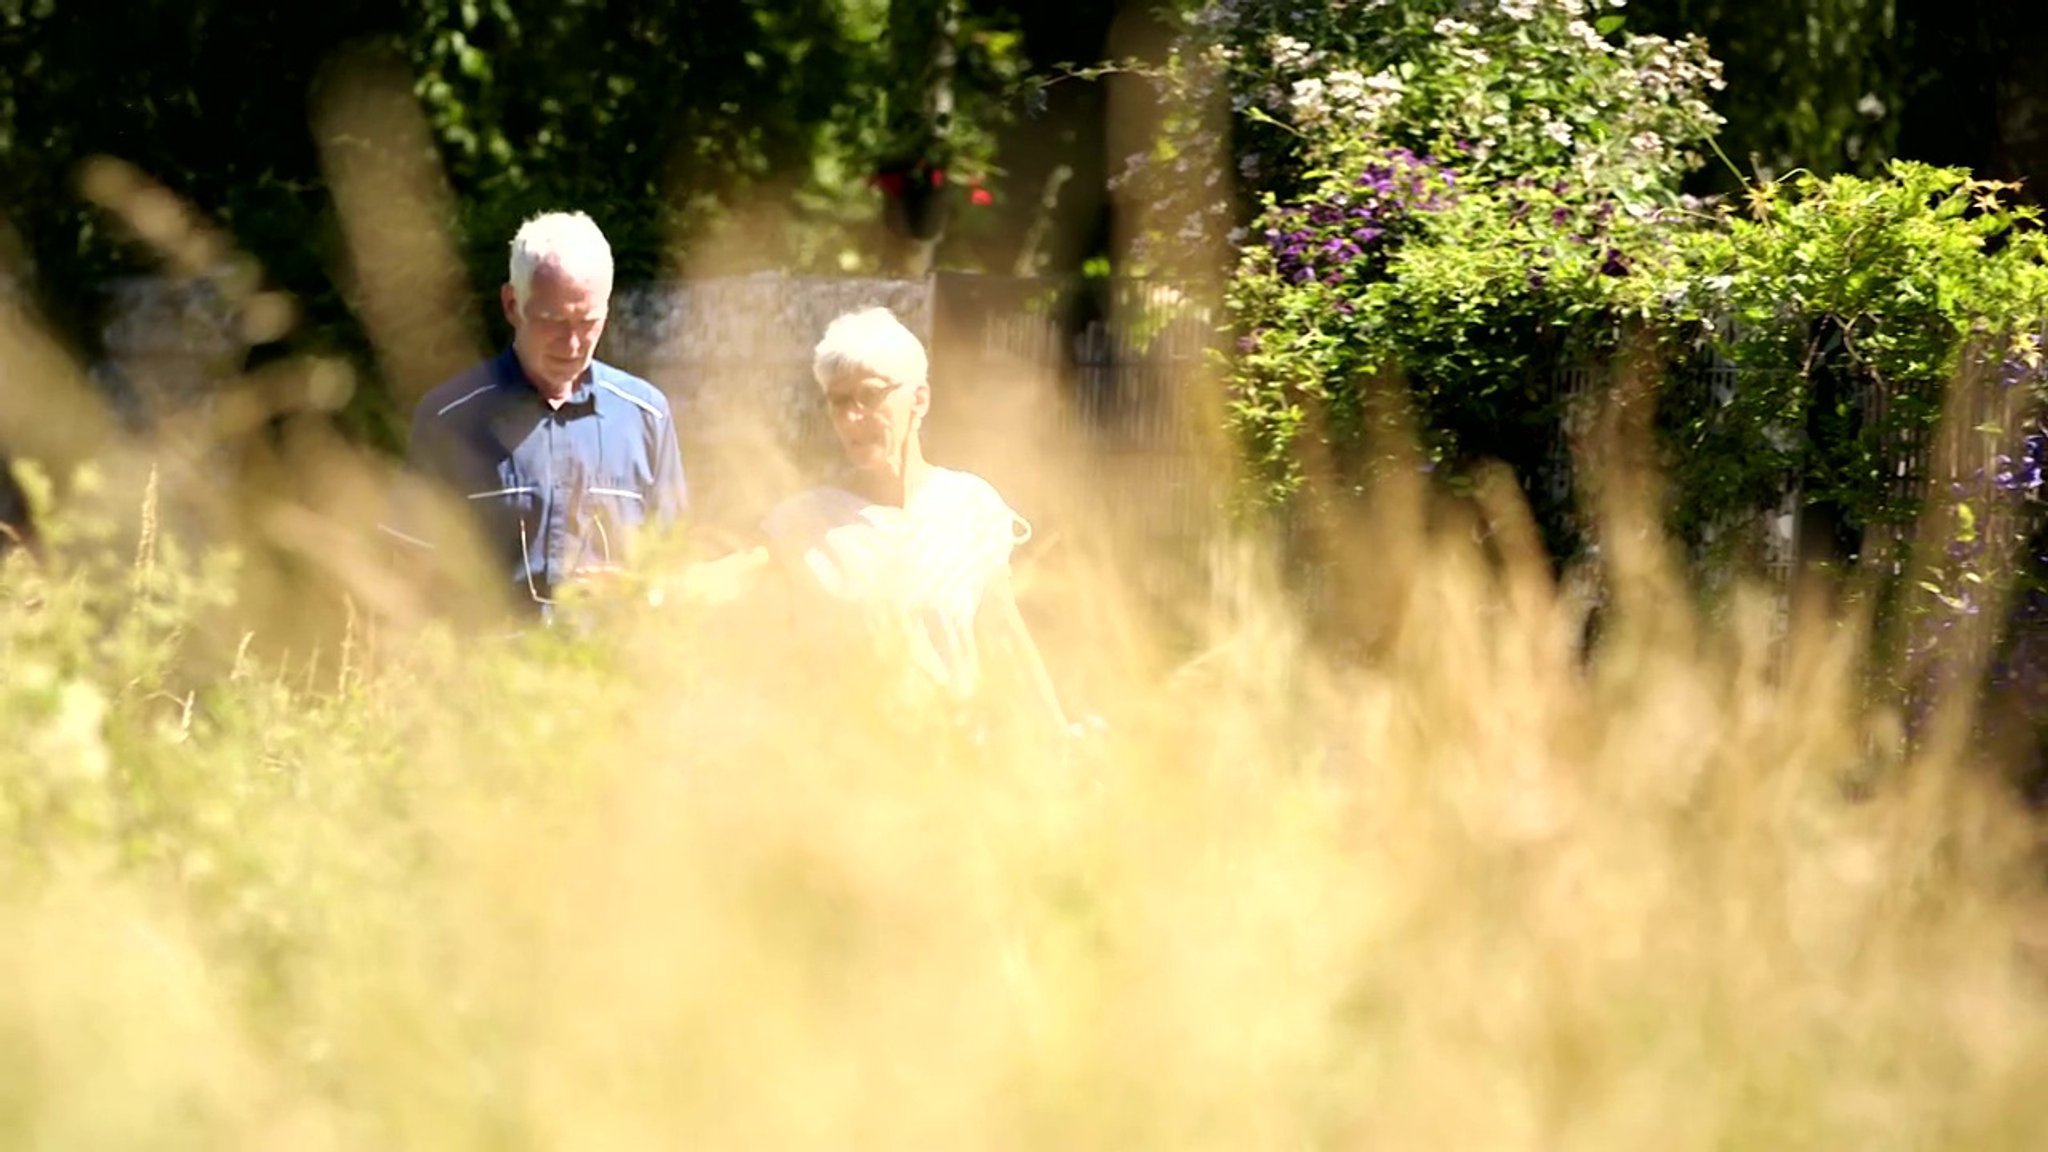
x: 1500, y: 202
x: 1467, y: 194
x: 1474, y: 289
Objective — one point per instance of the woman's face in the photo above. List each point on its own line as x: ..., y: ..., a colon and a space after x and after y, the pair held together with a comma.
x: 875, y: 419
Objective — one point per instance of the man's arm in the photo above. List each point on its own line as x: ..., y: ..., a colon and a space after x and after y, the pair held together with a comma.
x: 428, y: 456
x: 717, y: 583
x: 671, y: 497
x: 404, y: 522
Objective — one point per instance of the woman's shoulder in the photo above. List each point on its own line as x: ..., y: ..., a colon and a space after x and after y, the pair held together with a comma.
x: 977, y: 502
x: 969, y: 489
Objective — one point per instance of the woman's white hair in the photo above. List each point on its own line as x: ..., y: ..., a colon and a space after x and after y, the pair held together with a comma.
x: 570, y: 239
x: 870, y: 342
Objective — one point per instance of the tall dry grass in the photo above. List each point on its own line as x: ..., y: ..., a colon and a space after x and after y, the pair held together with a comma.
x: 661, y: 880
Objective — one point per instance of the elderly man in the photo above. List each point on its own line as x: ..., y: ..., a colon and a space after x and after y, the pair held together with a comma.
x: 559, y: 457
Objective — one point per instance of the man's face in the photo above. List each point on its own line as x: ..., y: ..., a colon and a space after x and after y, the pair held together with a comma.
x: 874, y: 419
x: 556, y: 329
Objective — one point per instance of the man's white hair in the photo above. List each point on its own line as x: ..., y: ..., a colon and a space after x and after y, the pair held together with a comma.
x: 570, y: 239
x: 870, y: 342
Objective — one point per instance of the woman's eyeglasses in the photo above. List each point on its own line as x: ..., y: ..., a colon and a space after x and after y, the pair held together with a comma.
x: 863, y: 398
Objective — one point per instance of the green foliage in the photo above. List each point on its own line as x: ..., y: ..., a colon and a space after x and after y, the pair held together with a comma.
x: 1815, y: 85
x: 1490, y: 207
x: 1518, y: 241
x: 1883, y: 286
x: 665, y: 121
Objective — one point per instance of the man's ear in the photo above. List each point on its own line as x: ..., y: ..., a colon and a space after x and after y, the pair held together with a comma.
x: 510, y: 300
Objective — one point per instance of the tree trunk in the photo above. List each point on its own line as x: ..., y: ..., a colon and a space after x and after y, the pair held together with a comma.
x: 924, y: 35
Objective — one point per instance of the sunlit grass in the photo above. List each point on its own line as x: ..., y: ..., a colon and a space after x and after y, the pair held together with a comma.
x: 287, y: 861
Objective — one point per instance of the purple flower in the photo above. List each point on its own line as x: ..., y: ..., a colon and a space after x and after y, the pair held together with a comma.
x: 2024, y: 473
x: 2015, y: 372
x: 1614, y: 265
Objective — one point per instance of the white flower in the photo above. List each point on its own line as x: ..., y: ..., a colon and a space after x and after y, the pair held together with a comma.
x: 1307, y: 98
x: 1647, y: 142
x: 1559, y: 131
x: 1292, y: 54
x: 1385, y: 81
x: 1589, y: 36
x: 1518, y: 9
x: 1346, y: 86
x: 1450, y: 27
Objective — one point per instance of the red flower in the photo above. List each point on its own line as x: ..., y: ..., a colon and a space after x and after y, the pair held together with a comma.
x: 981, y: 196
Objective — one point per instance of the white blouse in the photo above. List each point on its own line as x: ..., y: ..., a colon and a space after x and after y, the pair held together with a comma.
x: 919, y: 570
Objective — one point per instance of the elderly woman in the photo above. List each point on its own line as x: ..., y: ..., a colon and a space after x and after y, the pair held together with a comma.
x: 894, y: 541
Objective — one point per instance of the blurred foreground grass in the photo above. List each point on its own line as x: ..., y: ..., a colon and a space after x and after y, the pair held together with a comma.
x: 656, y: 884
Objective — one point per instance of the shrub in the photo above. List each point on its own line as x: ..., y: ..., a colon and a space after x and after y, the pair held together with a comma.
x: 1538, y: 219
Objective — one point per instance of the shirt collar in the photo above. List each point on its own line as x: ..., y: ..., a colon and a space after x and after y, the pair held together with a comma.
x: 583, y: 397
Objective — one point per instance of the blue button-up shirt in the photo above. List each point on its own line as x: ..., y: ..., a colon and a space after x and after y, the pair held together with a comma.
x: 552, y: 490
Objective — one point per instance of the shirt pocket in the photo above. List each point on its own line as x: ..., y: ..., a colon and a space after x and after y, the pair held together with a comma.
x: 507, y: 509
x: 610, y: 513
x: 617, y: 500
